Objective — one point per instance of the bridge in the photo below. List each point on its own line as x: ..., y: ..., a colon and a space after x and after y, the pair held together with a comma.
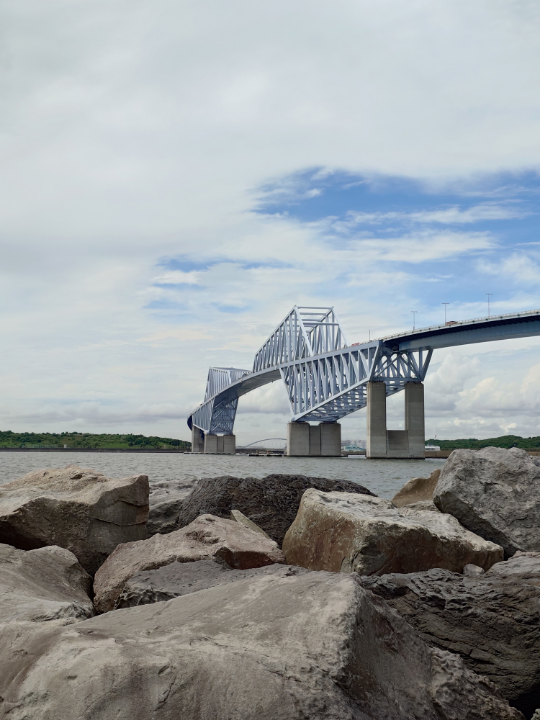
x: 327, y: 379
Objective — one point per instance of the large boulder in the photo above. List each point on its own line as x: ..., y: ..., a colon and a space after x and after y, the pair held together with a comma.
x: 176, y: 579
x: 494, y: 493
x: 77, y: 509
x: 342, y: 532
x: 43, y: 585
x: 166, y: 500
x: 206, y: 537
x: 492, y: 620
x: 271, y: 502
x: 282, y: 646
x: 417, y: 490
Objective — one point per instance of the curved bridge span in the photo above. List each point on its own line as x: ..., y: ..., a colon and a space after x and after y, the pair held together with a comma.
x: 327, y: 379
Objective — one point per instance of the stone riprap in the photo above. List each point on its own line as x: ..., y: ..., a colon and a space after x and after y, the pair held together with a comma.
x: 417, y: 490
x: 492, y: 620
x: 166, y: 499
x: 43, y: 585
x: 342, y: 532
x: 177, y: 579
x: 495, y: 493
x: 78, y: 509
x: 205, y: 537
x: 283, y: 646
x: 271, y: 502
x: 239, y: 517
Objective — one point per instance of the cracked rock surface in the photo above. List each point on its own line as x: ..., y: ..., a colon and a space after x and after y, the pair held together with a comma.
x: 285, y: 645
x: 342, y: 532
x: 495, y: 493
x: 492, y: 621
x: 78, y: 509
x: 43, y: 585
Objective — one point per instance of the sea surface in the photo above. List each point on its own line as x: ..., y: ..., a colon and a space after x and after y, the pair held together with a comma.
x: 383, y: 477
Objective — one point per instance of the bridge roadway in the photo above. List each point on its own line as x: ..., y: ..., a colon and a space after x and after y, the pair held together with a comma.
x: 327, y: 379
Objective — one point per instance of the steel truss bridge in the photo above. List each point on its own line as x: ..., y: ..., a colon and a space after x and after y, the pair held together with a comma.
x: 326, y: 379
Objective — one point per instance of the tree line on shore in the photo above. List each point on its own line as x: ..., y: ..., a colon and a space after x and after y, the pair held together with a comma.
x: 89, y: 441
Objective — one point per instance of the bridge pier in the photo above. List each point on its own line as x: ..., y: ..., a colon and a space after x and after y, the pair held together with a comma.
x: 197, y: 440
x: 220, y: 444
x: 383, y: 443
x: 305, y: 440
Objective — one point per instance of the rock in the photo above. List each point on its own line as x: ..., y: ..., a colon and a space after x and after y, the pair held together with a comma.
x: 239, y: 517
x: 43, y: 585
x: 416, y: 490
x: 524, y: 567
x: 166, y: 499
x: 342, y: 532
x: 492, y: 621
x: 280, y: 646
x: 77, y: 509
x: 473, y: 570
x: 494, y: 493
x: 205, y: 537
x: 271, y: 502
x: 176, y: 579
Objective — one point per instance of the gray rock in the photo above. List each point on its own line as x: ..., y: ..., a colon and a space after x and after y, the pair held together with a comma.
x: 492, y: 621
x: 205, y: 537
x: 239, y: 517
x: 43, y: 585
x: 417, y: 490
x: 271, y: 502
x: 280, y: 646
x: 473, y: 570
x: 166, y: 499
x: 342, y: 532
x: 179, y: 579
x: 494, y: 493
x: 77, y: 509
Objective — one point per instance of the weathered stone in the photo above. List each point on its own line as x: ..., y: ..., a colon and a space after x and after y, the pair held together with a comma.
x: 471, y: 570
x: 416, y: 490
x: 492, y: 620
x: 166, y: 499
x: 43, y: 585
x: 80, y: 510
x: 205, y: 537
x: 178, y: 579
x: 282, y: 646
x: 271, y: 502
x: 342, y: 532
x: 494, y: 493
x: 239, y: 517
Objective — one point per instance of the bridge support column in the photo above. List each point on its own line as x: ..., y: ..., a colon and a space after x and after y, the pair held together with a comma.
x: 211, y: 444
x: 220, y: 444
x: 197, y: 440
x: 305, y: 440
x: 229, y: 444
x: 383, y: 443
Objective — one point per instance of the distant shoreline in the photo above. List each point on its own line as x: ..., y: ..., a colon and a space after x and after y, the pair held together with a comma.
x: 91, y: 450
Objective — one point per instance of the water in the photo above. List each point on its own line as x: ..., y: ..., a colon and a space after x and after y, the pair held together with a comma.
x: 383, y: 477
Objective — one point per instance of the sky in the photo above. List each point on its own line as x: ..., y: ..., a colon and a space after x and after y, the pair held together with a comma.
x: 176, y: 176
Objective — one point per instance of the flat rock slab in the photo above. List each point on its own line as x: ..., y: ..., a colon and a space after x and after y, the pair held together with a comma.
x: 78, y: 509
x: 271, y: 502
x: 281, y: 646
x: 205, y: 537
x: 495, y: 493
x: 43, y: 585
x: 342, y: 532
x: 166, y: 500
x: 492, y: 621
x: 417, y: 490
x: 177, y: 579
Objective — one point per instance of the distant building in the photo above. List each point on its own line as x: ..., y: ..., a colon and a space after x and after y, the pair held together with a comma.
x: 433, y: 448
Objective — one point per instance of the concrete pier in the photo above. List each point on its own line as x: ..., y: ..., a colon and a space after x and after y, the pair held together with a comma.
x: 197, y: 440
x: 220, y: 444
x: 383, y: 443
x: 305, y: 440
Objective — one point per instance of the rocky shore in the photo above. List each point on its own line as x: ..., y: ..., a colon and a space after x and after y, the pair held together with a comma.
x: 284, y: 598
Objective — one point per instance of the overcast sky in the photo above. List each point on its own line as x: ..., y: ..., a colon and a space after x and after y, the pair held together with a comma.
x: 175, y: 176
